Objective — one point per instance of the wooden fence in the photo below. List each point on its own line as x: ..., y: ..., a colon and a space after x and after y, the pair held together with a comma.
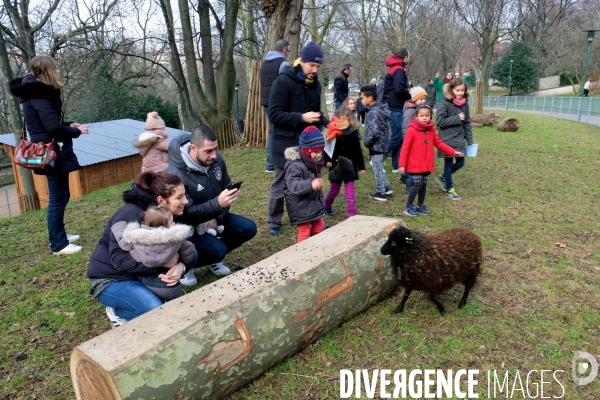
x: 256, y: 130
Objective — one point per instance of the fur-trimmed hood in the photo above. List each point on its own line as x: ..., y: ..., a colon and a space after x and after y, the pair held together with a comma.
x: 292, y: 153
x: 27, y: 87
x: 449, y: 95
x: 142, y: 234
x: 147, y: 138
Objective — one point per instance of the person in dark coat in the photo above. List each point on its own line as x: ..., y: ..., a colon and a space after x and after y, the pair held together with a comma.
x: 431, y: 94
x: 347, y: 146
x: 303, y: 184
x: 208, y: 187
x: 114, y: 274
x: 454, y: 124
x: 340, y: 85
x: 295, y: 104
x: 395, y: 94
x: 39, y: 94
x: 271, y: 67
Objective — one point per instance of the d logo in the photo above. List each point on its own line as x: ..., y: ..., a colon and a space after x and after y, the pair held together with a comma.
x: 582, y: 362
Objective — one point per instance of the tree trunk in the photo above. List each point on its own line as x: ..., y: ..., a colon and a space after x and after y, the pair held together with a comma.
x: 249, y: 33
x: 283, y: 22
x: 29, y: 199
x: 189, y: 118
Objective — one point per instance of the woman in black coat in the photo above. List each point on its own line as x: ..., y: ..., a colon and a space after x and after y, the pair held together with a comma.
x: 114, y: 274
x: 39, y: 94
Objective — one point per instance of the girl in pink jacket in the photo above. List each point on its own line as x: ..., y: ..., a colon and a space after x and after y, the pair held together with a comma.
x: 153, y: 145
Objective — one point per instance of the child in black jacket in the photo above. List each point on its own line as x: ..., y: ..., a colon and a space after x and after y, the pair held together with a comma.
x: 346, y: 163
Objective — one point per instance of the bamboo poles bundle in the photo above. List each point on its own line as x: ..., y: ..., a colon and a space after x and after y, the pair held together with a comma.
x: 228, y: 133
x: 257, y: 126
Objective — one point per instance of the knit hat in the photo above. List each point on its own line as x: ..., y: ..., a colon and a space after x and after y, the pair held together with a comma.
x: 154, y: 121
x: 312, y: 53
x: 312, y: 139
x: 417, y: 92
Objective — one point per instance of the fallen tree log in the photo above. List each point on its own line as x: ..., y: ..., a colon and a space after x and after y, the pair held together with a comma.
x: 486, y: 119
x: 217, y: 338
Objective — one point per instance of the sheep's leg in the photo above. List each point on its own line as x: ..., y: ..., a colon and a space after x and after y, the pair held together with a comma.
x: 469, y: 283
x: 400, y: 308
x: 439, y: 305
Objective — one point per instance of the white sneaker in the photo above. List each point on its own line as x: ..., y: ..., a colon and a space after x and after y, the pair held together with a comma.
x: 70, y: 249
x: 219, y: 269
x: 72, y: 238
x: 116, y: 321
x: 189, y: 279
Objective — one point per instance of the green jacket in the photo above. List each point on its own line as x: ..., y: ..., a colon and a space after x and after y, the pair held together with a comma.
x: 438, y: 84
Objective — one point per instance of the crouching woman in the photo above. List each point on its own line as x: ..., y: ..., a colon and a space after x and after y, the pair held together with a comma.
x: 114, y: 274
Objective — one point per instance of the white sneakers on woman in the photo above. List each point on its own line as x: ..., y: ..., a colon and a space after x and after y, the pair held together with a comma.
x: 189, y: 279
x: 114, y: 319
x: 72, y: 238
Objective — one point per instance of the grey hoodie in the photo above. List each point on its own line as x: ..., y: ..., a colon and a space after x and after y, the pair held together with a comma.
x: 272, y: 55
x: 155, y: 247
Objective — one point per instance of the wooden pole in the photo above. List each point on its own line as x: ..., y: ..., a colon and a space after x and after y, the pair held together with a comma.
x: 218, y: 338
x: 479, y: 97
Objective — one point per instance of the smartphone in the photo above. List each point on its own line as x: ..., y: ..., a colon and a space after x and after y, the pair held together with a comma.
x: 236, y: 185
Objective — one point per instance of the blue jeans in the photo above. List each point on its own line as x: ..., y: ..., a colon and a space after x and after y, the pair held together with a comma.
x: 270, y: 165
x: 211, y: 250
x: 397, y: 137
x: 58, y: 197
x: 451, y: 167
x: 130, y: 299
x: 338, y: 104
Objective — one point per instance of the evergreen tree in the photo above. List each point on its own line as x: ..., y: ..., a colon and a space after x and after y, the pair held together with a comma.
x: 523, y: 77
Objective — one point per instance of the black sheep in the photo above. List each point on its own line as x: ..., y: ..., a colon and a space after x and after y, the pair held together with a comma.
x: 434, y: 263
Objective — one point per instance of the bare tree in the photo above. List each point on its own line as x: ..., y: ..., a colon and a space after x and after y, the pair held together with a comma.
x: 491, y: 20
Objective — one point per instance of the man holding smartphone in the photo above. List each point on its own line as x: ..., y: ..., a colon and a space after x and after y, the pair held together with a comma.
x: 210, y: 193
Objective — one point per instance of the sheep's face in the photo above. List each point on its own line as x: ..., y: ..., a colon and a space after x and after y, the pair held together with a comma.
x: 397, y: 240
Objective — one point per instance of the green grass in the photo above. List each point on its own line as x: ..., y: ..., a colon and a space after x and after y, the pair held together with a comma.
x: 535, y: 304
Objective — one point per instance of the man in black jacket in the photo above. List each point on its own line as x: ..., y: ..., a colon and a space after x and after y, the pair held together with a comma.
x: 294, y: 104
x: 195, y: 159
x: 274, y: 63
x: 340, y: 85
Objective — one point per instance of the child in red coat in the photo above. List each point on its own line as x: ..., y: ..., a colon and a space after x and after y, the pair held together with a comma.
x: 416, y: 157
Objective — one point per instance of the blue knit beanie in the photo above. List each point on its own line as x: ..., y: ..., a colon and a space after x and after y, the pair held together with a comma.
x: 312, y: 138
x: 312, y: 53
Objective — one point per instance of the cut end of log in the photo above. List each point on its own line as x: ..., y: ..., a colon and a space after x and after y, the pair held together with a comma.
x: 509, y: 124
x: 90, y: 380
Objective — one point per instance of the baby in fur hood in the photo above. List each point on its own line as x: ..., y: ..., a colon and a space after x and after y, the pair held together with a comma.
x: 157, y: 239
x: 152, y: 144
x: 158, y: 242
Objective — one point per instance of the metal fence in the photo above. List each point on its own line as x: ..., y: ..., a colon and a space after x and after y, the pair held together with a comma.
x: 9, y: 201
x: 581, y: 109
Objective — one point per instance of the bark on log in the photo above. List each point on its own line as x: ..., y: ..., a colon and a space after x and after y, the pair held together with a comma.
x: 486, y: 119
x: 216, y: 339
x: 509, y: 124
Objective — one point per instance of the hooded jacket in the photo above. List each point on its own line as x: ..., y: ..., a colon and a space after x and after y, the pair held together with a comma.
x: 377, y: 134
x: 290, y: 98
x: 109, y: 260
x: 269, y: 70
x: 154, y: 150
x: 408, y: 113
x: 302, y: 202
x: 395, y: 84
x: 348, y: 146
x: 43, y: 116
x: 451, y: 129
x: 201, y: 188
x: 416, y: 155
x: 155, y: 247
